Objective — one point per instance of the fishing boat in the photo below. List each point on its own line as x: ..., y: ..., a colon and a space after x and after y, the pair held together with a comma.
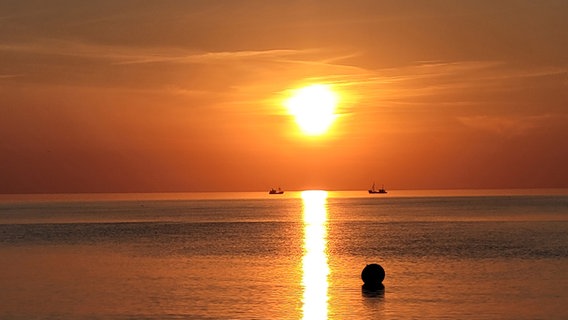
x: 276, y: 191
x: 381, y: 190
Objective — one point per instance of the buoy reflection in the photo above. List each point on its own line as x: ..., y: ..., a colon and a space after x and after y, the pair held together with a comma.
x: 314, y: 263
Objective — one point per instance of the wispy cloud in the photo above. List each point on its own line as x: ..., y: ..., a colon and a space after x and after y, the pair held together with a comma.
x: 206, y: 57
x: 509, y: 125
x: 141, y: 55
x: 454, y: 72
x: 423, y: 84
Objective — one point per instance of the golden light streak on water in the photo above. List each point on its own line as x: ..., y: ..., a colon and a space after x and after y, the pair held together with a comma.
x: 314, y: 264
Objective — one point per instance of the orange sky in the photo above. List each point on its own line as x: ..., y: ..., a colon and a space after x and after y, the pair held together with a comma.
x: 158, y: 96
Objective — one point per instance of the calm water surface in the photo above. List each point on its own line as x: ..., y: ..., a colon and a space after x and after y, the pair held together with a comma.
x: 448, y: 255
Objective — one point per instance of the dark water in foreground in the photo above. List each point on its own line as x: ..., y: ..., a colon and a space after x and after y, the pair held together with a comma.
x: 254, y: 256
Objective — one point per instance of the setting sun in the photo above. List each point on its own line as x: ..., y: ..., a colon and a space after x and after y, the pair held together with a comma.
x: 313, y: 108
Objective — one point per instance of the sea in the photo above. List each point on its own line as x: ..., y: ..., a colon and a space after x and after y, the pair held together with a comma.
x: 447, y: 254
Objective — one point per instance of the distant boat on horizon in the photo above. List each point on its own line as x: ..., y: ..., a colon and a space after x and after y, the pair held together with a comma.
x: 276, y: 191
x: 381, y: 190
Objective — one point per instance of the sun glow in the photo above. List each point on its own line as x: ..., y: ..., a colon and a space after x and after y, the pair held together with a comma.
x: 313, y: 108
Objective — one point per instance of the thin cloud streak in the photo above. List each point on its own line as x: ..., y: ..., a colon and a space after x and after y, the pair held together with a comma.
x: 132, y: 55
x: 510, y: 125
x: 469, y: 73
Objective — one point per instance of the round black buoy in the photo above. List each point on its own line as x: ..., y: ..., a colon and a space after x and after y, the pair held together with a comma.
x: 373, y: 275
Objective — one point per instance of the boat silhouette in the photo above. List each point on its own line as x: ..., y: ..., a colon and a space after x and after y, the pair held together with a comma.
x: 276, y: 191
x: 381, y: 190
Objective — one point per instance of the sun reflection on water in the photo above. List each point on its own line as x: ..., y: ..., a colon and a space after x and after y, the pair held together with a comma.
x: 314, y: 264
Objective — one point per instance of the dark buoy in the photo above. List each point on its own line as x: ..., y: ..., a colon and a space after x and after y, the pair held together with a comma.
x: 373, y: 276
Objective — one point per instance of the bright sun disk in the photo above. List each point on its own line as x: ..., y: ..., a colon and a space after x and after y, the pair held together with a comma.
x: 313, y: 108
